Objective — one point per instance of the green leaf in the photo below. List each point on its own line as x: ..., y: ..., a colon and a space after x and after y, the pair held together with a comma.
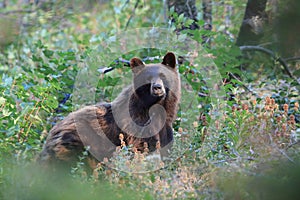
x: 2, y: 100
x: 51, y: 103
x: 180, y: 18
x: 48, y: 53
x: 36, y: 58
x: 188, y: 22
x: 39, y: 44
x: 37, y: 118
x: 61, y: 67
x: 6, y: 112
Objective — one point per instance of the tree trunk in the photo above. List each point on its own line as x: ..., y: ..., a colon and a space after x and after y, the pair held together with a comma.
x: 207, y: 14
x: 287, y: 29
x: 251, y: 30
x: 3, y: 4
x: 186, y: 7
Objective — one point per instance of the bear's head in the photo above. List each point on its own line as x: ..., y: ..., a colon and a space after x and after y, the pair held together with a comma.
x: 152, y: 82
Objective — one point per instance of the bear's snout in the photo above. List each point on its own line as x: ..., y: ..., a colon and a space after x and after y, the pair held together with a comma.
x: 157, y: 89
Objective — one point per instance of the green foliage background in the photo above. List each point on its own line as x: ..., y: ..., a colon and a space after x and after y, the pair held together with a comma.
x: 41, y: 53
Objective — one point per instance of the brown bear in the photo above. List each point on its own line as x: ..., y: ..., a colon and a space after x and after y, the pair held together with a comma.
x: 143, y: 112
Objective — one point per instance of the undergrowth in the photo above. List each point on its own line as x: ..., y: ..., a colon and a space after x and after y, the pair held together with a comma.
x: 254, y: 137
x: 252, y: 140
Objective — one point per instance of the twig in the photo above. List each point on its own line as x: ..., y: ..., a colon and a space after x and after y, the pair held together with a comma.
x: 165, y: 11
x: 284, y: 154
x: 121, y: 60
x: 133, y: 12
x: 272, y: 54
x: 189, y: 8
x: 201, y: 94
x: 292, y: 59
x: 281, y: 151
x: 104, y: 70
x: 243, y: 85
x: 291, y: 145
x: 125, y: 4
x: 17, y: 11
x: 232, y: 160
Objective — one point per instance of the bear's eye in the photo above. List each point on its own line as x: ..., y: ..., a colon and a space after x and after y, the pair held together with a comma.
x: 162, y: 77
x: 165, y: 80
x: 149, y: 79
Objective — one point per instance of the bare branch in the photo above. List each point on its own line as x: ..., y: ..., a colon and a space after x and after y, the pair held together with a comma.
x: 189, y: 8
x: 242, y: 84
x: 133, y: 13
x: 272, y: 54
x: 17, y: 11
x: 292, y: 144
x: 104, y: 69
x: 292, y: 59
x: 165, y: 10
x: 127, y: 1
x: 284, y: 154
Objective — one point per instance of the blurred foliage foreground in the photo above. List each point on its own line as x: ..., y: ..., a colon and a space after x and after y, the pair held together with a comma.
x: 249, y: 151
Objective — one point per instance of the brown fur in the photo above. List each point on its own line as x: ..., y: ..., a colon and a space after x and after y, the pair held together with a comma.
x: 97, y: 123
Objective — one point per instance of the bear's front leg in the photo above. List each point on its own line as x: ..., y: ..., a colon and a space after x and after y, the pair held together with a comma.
x: 166, y: 140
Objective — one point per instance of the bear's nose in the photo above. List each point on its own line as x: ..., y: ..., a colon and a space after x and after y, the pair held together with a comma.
x: 157, y: 87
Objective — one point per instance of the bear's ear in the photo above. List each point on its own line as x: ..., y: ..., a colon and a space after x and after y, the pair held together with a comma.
x: 169, y: 60
x: 136, y: 65
x: 135, y: 62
